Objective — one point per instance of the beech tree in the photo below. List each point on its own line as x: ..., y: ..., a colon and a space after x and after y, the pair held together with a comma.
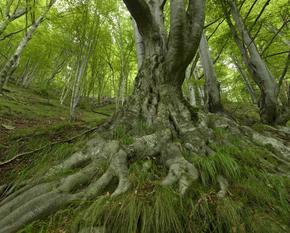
x: 212, y: 88
x: 157, y: 99
x: 255, y: 64
x: 161, y: 131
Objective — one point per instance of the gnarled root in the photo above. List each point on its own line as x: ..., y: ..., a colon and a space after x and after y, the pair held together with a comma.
x: 93, y: 169
x: 180, y: 170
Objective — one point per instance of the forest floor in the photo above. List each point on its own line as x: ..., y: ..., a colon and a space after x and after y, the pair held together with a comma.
x: 32, y: 120
x: 257, y: 199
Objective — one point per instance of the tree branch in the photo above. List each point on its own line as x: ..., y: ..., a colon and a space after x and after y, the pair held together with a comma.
x: 259, y: 16
x: 163, y: 2
x: 196, y: 16
x: 281, y: 79
x: 275, y: 35
x: 177, y: 28
x: 185, y: 33
x: 140, y: 11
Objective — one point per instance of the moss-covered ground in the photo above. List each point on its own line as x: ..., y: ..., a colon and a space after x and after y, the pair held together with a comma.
x: 31, y: 119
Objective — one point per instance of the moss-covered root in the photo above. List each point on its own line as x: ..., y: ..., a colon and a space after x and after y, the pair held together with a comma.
x: 46, y: 198
x: 180, y: 170
x: 86, y: 174
x: 87, y: 179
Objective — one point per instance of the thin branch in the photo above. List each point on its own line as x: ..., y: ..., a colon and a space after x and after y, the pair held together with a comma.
x: 283, y: 75
x: 259, y: 16
x: 211, y: 23
x: 221, y: 51
x: 217, y: 27
x: 276, y: 54
x: 13, y: 33
x: 275, y: 35
x: 255, y: 36
x: 250, y: 10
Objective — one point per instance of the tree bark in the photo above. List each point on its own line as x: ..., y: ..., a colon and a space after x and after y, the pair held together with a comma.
x: 139, y: 45
x: 212, y: 89
x: 157, y: 99
x: 192, y: 96
x: 157, y: 90
x: 257, y: 67
x: 246, y: 82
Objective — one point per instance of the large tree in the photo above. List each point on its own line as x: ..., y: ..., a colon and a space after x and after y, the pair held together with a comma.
x: 172, y: 127
x: 157, y: 93
x: 157, y: 99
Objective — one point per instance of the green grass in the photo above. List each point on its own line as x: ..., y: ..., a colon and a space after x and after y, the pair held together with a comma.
x: 257, y: 200
x: 37, y: 119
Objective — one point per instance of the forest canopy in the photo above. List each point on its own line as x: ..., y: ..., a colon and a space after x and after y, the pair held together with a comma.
x: 101, y: 32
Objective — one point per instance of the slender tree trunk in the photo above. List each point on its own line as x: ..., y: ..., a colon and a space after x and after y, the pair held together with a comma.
x: 212, y: 89
x: 56, y: 70
x: 76, y: 92
x: 29, y: 76
x: 200, y: 91
x: 257, y: 67
x: 289, y: 95
x: 246, y: 82
x: 13, y: 62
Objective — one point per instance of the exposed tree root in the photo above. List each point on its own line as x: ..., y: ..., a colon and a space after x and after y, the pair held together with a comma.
x: 46, y: 146
x: 93, y: 169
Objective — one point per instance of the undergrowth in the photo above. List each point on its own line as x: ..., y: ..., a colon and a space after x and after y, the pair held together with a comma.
x: 257, y: 200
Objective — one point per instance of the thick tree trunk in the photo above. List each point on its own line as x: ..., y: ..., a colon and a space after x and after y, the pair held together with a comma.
x: 257, y: 67
x: 212, y: 88
x: 157, y: 99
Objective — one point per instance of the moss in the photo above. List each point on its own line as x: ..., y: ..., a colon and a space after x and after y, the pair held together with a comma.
x: 38, y: 120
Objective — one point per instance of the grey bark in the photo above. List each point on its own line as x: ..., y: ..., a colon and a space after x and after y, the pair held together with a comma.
x: 192, y: 97
x: 246, y: 82
x: 212, y: 89
x: 157, y: 98
x: 76, y: 91
x: 262, y: 76
x: 27, y: 79
x: 139, y: 45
